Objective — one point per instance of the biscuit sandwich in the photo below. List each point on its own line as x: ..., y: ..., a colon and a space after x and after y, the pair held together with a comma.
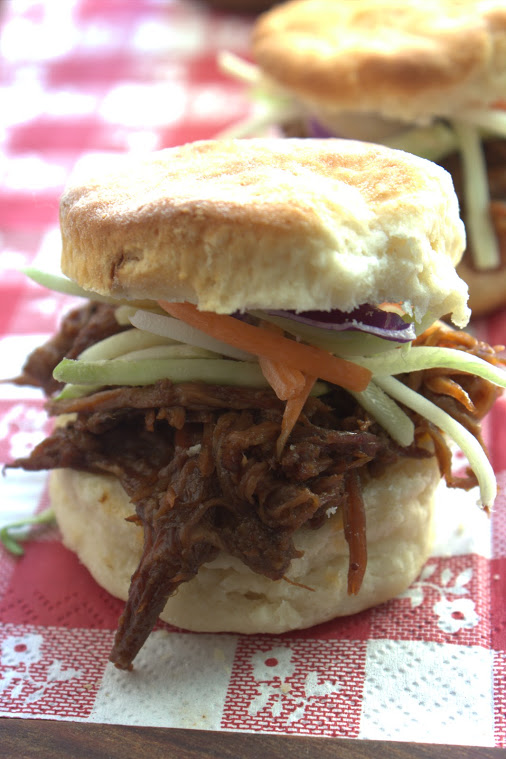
x: 256, y: 403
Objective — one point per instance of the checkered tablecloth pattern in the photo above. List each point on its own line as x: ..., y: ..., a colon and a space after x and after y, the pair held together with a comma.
x: 81, y: 80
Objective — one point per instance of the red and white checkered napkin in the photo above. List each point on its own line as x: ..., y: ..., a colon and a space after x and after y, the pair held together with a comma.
x: 82, y: 79
x: 428, y: 666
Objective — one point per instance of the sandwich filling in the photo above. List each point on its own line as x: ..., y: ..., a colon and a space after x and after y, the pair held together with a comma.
x: 231, y: 465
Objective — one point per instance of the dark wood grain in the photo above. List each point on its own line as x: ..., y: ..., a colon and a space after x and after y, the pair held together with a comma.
x: 24, y: 739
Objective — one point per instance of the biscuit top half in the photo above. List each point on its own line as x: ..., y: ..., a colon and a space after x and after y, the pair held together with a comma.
x: 267, y: 223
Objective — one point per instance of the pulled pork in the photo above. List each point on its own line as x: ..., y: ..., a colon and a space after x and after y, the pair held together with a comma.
x: 199, y: 464
x: 79, y: 329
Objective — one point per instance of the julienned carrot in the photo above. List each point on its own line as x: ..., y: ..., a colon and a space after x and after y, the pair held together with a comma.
x: 293, y: 409
x: 308, y: 359
x: 286, y: 382
x: 289, y: 385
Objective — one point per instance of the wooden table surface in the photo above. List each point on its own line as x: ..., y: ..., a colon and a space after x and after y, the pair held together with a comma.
x: 24, y: 739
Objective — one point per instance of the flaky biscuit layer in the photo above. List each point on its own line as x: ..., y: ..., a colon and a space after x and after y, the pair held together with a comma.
x: 294, y: 224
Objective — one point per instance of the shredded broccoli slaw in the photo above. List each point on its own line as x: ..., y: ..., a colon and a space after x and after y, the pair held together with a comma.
x: 417, y: 358
x: 271, y: 104
x: 462, y: 437
x: 148, y: 370
x: 13, y: 534
x: 484, y: 241
x: 387, y: 413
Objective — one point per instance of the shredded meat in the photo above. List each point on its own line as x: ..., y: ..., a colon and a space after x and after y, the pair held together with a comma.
x: 219, y: 486
x: 80, y: 328
x: 199, y: 464
x: 354, y: 531
x: 192, y: 396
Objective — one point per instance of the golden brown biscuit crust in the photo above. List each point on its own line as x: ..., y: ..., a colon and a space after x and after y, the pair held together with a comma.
x: 403, y: 58
x: 302, y: 224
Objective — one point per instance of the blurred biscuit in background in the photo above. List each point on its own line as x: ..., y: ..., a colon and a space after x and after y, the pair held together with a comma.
x: 426, y: 77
